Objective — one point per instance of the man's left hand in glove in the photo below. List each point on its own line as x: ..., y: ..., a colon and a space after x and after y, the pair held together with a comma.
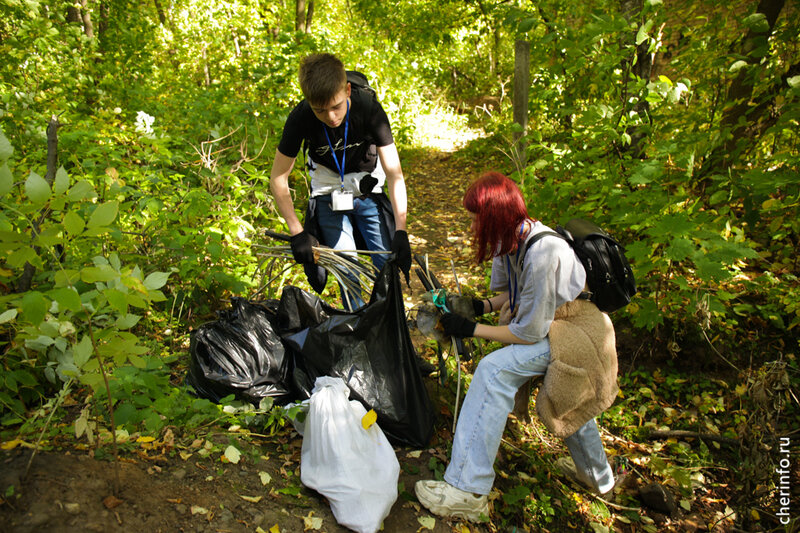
x: 402, y: 252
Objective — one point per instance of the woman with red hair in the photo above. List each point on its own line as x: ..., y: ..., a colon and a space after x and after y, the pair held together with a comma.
x: 550, y: 328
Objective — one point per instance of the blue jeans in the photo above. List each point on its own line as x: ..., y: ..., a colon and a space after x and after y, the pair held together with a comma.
x: 489, y: 401
x: 337, y: 232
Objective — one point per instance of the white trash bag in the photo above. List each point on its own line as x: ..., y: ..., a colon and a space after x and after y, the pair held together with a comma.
x: 354, y: 468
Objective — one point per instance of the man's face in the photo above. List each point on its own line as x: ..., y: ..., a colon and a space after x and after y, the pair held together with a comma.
x: 332, y: 114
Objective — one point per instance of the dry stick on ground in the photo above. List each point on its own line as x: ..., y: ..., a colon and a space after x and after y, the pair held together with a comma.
x: 564, y: 485
x: 691, y: 434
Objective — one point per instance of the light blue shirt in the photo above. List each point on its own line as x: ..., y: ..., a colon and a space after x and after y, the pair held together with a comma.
x: 547, y: 276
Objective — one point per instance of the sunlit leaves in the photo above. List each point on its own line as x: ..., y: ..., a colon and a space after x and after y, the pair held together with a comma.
x: 6, y: 180
x: 156, y: 280
x: 103, y: 215
x: 8, y: 315
x: 67, y: 298
x: 6, y: 150
x: 82, y: 351
x: 73, y: 223
x: 37, y: 188
x: 34, y: 306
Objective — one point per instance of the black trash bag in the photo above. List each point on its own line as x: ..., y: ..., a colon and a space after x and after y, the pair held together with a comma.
x: 240, y: 353
x: 370, y: 349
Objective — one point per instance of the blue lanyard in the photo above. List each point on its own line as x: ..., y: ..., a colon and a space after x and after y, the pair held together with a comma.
x: 512, y: 295
x: 339, y: 167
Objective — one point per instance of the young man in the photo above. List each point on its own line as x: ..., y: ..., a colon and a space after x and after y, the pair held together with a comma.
x: 351, y: 154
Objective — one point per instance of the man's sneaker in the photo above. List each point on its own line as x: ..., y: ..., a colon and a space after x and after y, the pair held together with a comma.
x: 567, y: 467
x: 443, y: 499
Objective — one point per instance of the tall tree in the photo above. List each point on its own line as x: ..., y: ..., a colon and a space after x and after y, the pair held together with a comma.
x: 751, y: 107
x: 304, y: 14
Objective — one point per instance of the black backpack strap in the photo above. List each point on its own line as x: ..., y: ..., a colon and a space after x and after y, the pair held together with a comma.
x: 540, y: 235
x: 585, y: 295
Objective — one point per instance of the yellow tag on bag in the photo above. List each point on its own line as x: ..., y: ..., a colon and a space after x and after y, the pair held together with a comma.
x: 368, y: 419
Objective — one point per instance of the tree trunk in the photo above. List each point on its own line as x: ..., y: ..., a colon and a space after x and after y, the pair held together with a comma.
x: 73, y: 14
x: 641, y: 67
x: 88, y: 27
x: 206, y: 69
x: 26, y: 278
x: 740, y: 92
x: 300, y: 15
x: 162, y: 19
x: 103, y: 24
x: 522, y: 68
x: 746, y: 116
x: 309, y: 16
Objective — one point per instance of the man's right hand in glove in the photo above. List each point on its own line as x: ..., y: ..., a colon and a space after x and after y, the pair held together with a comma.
x: 301, y: 247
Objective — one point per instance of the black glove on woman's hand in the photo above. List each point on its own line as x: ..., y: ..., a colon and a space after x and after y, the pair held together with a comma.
x: 478, y: 306
x: 301, y: 247
x: 466, y: 306
x: 402, y: 252
x: 457, y: 326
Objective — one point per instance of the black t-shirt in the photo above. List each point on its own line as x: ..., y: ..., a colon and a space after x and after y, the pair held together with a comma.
x: 369, y: 127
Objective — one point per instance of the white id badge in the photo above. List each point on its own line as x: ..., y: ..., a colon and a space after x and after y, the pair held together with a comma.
x: 342, y: 201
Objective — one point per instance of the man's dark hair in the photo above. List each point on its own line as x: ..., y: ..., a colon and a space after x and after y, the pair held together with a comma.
x: 322, y: 77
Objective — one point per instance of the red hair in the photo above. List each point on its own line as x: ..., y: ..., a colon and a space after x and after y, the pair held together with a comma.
x: 499, y: 208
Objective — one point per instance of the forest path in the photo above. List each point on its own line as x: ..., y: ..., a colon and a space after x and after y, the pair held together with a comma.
x: 438, y: 226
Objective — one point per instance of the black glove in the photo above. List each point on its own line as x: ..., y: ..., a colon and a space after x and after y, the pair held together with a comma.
x: 301, y: 247
x: 477, y: 305
x: 457, y: 326
x: 402, y: 252
x: 367, y: 183
x: 466, y: 306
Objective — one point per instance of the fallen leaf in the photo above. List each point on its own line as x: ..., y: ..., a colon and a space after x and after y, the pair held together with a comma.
x: 265, y: 478
x: 251, y: 499
x: 427, y: 522
x: 311, y: 522
x: 232, y: 454
x: 196, y: 509
x: 415, y: 454
x: 145, y: 439
x: 111, y: 501
x: 10, y: 445
x: 275, y: 529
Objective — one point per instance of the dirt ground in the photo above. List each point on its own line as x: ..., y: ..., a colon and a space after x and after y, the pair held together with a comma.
x: 68, y: 490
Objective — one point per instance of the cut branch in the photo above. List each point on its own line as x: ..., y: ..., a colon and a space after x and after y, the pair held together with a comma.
x: 682, y: 434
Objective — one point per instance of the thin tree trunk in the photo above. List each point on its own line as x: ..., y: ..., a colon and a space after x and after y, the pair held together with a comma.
x: 300, y: 15
x: 206, y: 69
x: 88, y: 27
x: 742, y: 119
x: 522, y: 68
x: 162, y: 19
x: 26, y: 278
x: 309, y: 16
x: 73, y: 14
x: 103, y: 24
x: 741, y: 89
x: 641, y: 67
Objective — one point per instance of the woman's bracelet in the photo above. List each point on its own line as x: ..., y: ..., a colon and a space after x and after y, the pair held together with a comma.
x: 491, y: 307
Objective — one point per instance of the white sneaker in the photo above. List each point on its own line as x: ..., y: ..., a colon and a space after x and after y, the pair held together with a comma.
x: 443, y: 499
x: 567, y: 467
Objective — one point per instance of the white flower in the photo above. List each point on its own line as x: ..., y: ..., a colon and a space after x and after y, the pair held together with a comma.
x: 144, y: 123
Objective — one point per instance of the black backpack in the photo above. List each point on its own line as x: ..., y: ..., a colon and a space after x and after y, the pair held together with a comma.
x: 359, y: 80
x: 608, y: 273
